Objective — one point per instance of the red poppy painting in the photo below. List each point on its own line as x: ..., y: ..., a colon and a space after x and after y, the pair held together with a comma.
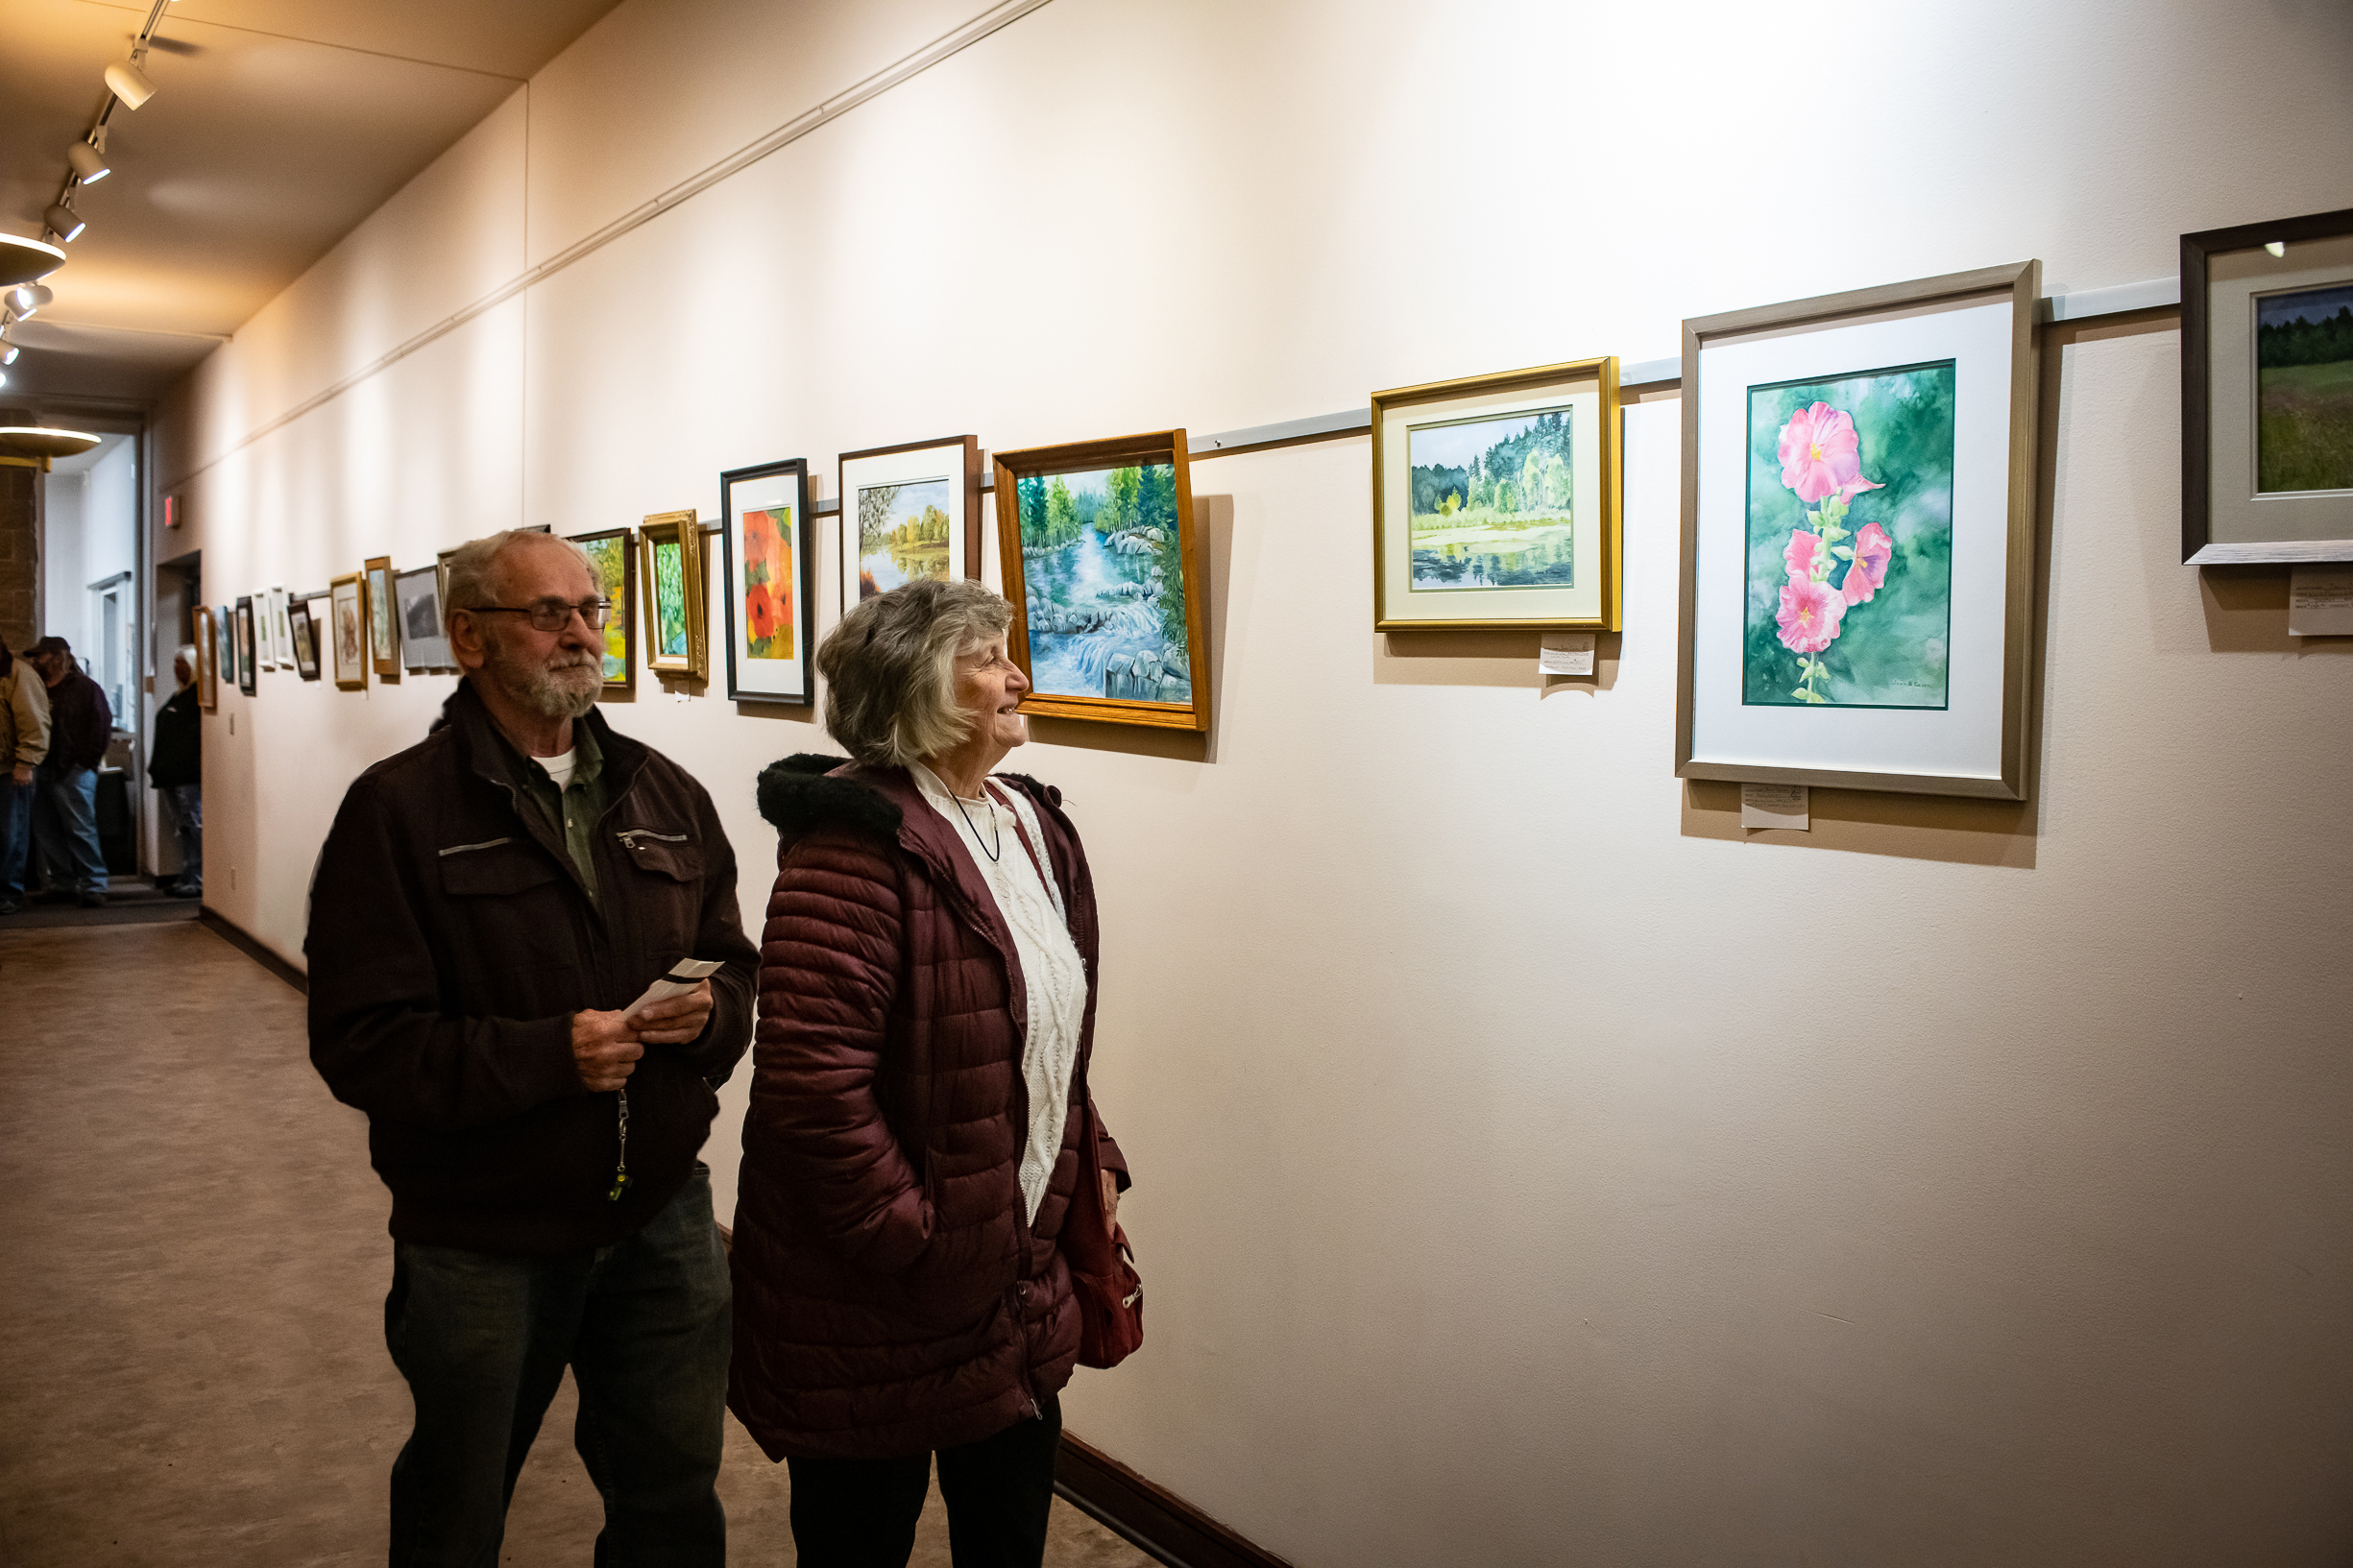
x: 768, y: 579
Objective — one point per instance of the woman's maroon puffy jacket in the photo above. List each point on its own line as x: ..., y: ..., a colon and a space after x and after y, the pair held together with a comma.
x: 891, y: 1296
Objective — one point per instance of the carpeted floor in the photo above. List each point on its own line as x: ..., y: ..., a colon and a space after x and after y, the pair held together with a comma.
x: 192, y: 1367
x: 129, y: 902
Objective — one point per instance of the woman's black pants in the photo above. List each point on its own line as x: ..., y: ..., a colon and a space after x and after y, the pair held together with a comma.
x: 861, y: 1513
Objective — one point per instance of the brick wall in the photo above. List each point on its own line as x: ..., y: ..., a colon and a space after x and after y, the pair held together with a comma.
x: 20, y: 553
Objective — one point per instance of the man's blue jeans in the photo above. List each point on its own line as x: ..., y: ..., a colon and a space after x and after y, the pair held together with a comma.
x: 185, y: 806
x: 66, y: 828
x: 16, y: 834
x: 483, y: 1341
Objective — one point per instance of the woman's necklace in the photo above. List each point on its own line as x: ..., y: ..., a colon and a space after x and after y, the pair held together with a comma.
x: 995, y: 828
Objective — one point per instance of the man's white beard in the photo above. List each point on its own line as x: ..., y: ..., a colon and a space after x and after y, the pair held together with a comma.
x: 557, y: 690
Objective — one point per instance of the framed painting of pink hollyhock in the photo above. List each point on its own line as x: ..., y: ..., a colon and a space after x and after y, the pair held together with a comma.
x: 1859, y: 538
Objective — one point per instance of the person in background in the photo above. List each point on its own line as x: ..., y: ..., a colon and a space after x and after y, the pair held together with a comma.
x: 487, y: 908
x: 24, y: 741
x: 174, y: 766
x: 65, y: 785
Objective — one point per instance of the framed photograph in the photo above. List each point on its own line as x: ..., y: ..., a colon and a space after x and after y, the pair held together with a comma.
x: 908, y: 512
x: 613, y: 557
x: 348, y: 636
x: 205, y: 632
x: 425, y: 643
x: 248, y: 670
x: 769, y: 547
x: 304, y: 635
x: 1109, y: 621
x: 1496, y: 502
x: 2267, y: 392
x: 1859, y: 538
x: 282, y: 643
x: 670, y: 562
x: 383, y: 629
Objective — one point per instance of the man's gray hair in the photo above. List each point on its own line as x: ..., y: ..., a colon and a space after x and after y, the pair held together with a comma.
x: 890, y: 668
x: 474, y: 569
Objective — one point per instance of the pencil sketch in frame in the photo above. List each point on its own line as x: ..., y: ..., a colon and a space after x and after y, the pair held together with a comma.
x: 1858, y: 532
x: 612, y: 556
x: 1496, y: 502
x: 769, y: 552
x: 2267, y: 392
x: 1104, y: 571
x: 671, y: 570
x: 347, y: 632
x: 906, y: 512
x: 425, y: 638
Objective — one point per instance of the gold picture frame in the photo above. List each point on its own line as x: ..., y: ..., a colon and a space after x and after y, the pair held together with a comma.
x: 207, y: 659
x: 679, y: 645
x: 348, y: 630
x: 1554, y: 524
x: 383, y: 620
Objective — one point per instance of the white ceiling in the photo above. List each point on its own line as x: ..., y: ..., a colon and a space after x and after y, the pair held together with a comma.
x: 276, y: 126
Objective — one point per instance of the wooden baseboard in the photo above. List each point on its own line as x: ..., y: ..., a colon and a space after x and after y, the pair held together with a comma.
x: 1149, y: 1515
x: 253, y: 947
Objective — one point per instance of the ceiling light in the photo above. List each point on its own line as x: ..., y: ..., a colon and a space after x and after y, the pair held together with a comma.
x: 40, y: 440
x: 64, y: 222
x: 8, y: 352
x: 128, y: 82
x: 87, y: 163
x: 22, y: 260
x: 27, y: 298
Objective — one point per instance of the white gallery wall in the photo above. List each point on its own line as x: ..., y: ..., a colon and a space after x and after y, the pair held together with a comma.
x: 1529, y: 1169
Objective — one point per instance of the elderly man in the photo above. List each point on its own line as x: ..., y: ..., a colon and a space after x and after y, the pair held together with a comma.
x: 174, y: 766
x: 65, y: 785
x: 486, y: 907
x: 24, y: 741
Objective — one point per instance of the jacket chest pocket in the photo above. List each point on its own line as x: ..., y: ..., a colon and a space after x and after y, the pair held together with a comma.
x: 512, y: 896
x: 666, y: 890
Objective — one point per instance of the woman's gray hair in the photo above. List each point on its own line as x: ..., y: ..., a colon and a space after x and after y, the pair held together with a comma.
x: 890, y: 668
x: 474, y: 569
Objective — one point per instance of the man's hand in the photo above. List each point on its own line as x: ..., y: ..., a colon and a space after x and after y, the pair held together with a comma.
x: 24, y: 773
x: 675, y: 1021
x: 604, y: 1050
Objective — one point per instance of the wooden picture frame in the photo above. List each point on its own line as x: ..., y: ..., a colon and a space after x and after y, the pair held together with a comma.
x: 611, y: 554
x: 1886, y: 436
x: 248, y: 669
x: 671, y: 570
x: 383, y: 620
x: 303, y: 632
x: 888, y: 491
x: 768, y: 548
x: 1097, y: 654
x: 2266, y: 370
x: 1532, y: 462
x: 347, y: 637
x: 205, y: 632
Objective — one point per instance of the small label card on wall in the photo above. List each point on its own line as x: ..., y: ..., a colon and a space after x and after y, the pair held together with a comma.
x: 2321, y: 599
x: 1566, y: 653
x: 1777, y: 805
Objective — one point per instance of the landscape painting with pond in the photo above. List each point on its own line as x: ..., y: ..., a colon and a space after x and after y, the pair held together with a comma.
x: 1850, y: 539
x: 1102, y: 572
x: 902, y: 534
x: 1493, y: 502
x: 608, y: 559
x: 2304, y: 390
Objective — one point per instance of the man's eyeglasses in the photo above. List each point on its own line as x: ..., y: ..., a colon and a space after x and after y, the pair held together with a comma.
x: 552, y: 614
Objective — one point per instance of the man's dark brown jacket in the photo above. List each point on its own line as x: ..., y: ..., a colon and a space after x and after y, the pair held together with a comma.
x: 450, y: 942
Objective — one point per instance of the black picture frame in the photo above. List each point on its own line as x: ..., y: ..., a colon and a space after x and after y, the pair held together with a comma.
x: 800, y: 690
x: 303, y: 634
x: 248, y: 671
x: 2199, y: 357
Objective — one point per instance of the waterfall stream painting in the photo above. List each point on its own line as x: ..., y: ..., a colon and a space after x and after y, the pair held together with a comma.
x: 1101, y: 562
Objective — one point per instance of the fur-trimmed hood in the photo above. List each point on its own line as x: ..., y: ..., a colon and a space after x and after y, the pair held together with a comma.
x: 800, y: 794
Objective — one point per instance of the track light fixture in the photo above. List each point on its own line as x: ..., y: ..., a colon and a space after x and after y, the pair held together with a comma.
x: 64, y: 221
x: 27, y: 298
x: 88, y: 157
x: 8, y: 352
x: 128, y: 82
x: 22, y: 260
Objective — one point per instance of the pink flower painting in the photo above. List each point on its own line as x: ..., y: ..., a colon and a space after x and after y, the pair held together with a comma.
x: 1810, y: 615
x: 1818, y: 453
x: 1801, y: 554
x: 1868, y: 570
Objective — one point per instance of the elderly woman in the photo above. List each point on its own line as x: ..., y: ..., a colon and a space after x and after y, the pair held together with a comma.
x: 927, y: 1007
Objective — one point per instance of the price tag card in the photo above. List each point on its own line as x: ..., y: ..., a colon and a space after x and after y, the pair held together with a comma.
x: 1777, y: 805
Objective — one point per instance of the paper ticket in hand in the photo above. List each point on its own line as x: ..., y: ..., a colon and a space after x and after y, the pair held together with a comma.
x: 684, y: 976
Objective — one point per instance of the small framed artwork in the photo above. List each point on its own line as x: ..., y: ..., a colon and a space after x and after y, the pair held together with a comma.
x: 348, y: 635
x: 304, y: 636
x: 908, y: 512
x: 2267, y: 392
x: 225, y: 635
x: 1496, y: 502
x: 425, y: 643
x: 1859, y: 538
x: 248, y: 670
x: 383, y: 625
x: 204, y: 633
x: 1109, y: 621
x: 612, y: 556
x: 281, y: 643
x: 770, y: 546
x: 670, y: 565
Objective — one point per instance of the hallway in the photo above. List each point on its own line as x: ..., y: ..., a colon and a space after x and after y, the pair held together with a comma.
x: 193, y: 1368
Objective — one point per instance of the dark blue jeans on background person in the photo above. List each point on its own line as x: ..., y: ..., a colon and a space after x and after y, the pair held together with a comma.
x: 483, y: 1341
x: 15, y: 839
x: 66, y: 828
x: 184, y: 806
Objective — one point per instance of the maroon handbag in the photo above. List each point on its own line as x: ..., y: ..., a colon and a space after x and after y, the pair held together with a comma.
x: 1102, y: 1276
